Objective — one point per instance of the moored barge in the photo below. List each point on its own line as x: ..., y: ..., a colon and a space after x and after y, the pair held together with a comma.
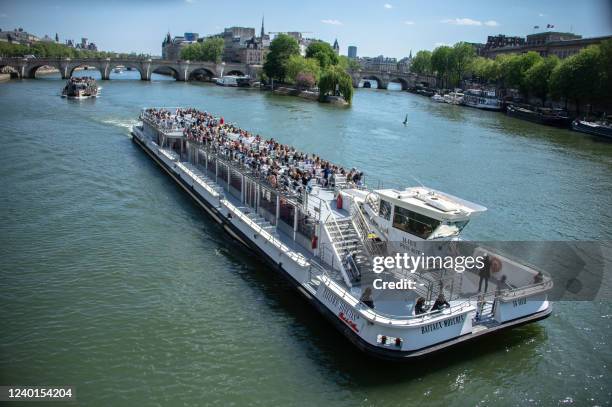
x: 323, y: 229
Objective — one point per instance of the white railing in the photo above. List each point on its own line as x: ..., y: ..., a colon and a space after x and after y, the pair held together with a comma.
x: 295, y: 256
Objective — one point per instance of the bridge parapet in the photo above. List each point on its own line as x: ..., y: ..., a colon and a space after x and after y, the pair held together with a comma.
x: 183, y: 70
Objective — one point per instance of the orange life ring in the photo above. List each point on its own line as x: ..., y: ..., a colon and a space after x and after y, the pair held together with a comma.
x: 496, y: 265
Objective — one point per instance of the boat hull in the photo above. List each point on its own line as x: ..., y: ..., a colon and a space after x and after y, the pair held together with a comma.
x: 561, y: 122
x: 600, y: 131
x: 314, y: 298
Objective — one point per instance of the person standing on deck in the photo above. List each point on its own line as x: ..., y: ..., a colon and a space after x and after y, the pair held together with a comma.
x: 485, y: 273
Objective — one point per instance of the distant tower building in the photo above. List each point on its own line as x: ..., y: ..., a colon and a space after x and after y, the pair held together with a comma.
x: 336, y: 47
x: 352, y: 51
x: 262, y: 27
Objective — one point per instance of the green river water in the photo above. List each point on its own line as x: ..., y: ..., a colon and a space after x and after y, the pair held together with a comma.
x: 112, y: 280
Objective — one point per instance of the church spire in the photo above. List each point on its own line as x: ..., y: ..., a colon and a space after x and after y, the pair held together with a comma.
x: 262, y: 27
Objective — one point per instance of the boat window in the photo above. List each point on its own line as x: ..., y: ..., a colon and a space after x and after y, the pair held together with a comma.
x: 414, y: 223
x: 449, y: 229
x: 385, y: 209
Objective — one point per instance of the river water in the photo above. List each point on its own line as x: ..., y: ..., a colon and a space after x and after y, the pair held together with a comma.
x: 113, y: 281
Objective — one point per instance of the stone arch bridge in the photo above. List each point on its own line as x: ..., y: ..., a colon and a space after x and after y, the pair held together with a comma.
x: 182, y: 70
x: 406, y: 79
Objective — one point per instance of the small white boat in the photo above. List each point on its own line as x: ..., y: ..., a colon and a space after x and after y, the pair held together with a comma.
x: 437, y: 98
x: 454, y: 98
x: 233, y: 80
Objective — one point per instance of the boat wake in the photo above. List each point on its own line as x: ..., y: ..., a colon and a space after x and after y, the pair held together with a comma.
x: 124, y: 124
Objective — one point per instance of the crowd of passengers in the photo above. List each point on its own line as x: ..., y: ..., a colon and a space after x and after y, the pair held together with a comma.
x: 281, y: 165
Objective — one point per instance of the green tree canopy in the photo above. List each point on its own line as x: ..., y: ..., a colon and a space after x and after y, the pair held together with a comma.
x: 281, y: 49
x: 323, y: 52
x: 537, y: 78
x: 579, y: 77
x: 297, y: 65
x: 53, y: 50
x: 513, y: 67
x: 421, y: 63
x: 462, y: 56
x: 442, y: 63
x: 605, y: 67
x: 349, y: 64
x: 336, y: 78
x: 211, y: 49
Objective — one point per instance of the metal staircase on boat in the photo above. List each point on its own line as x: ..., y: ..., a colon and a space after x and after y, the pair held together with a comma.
x: 350, y: 249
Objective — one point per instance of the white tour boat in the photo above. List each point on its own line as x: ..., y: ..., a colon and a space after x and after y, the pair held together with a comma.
x: 324, y: 238
x: 81, y: 88
x: 481, y: 99
x: 232, y: 80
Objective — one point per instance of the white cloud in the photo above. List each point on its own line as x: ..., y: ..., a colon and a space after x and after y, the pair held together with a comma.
x: 439, y: 44
x: 332, y: 22
x: 3, y: 15
x: 388, y: 6
x: 461, y: 21
x: 190, y: 1
x: 409, y: 22
x: 541, y: 15
x: 491, y: 23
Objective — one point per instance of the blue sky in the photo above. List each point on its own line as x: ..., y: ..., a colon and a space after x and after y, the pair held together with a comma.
x: 389, y: 27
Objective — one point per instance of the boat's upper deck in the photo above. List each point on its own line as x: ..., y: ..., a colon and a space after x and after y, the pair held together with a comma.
x: 294, y: 197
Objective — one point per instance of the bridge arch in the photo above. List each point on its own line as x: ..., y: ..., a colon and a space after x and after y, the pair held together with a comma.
x: 87, y: 66
x: 379, y: 83
x: 201, y: 73
x: 401, y: 81
x: 30, y: 71
x: 12, y: 70
x: 165, y: 70
x: 137, y: 67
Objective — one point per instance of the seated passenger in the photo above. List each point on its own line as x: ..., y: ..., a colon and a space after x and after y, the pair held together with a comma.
x: 440, y: 303
x: 538, y: 278
x: 419, y: 308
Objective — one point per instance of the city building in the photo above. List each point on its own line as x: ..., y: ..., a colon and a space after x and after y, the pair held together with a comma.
x: 303, y: 42
x: 253, y: 53
x: 46, y: 38
x: 336, y: 47
x: 86, y: 45
x: 18, y: 36
x: 547, y: 43
x: 386, y: 64
x: 171, y: 47
x: 243, y: 46
x: 550, y: 36
x: 234, y: 39
x: 500, y: 40
x: 352, y: 51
